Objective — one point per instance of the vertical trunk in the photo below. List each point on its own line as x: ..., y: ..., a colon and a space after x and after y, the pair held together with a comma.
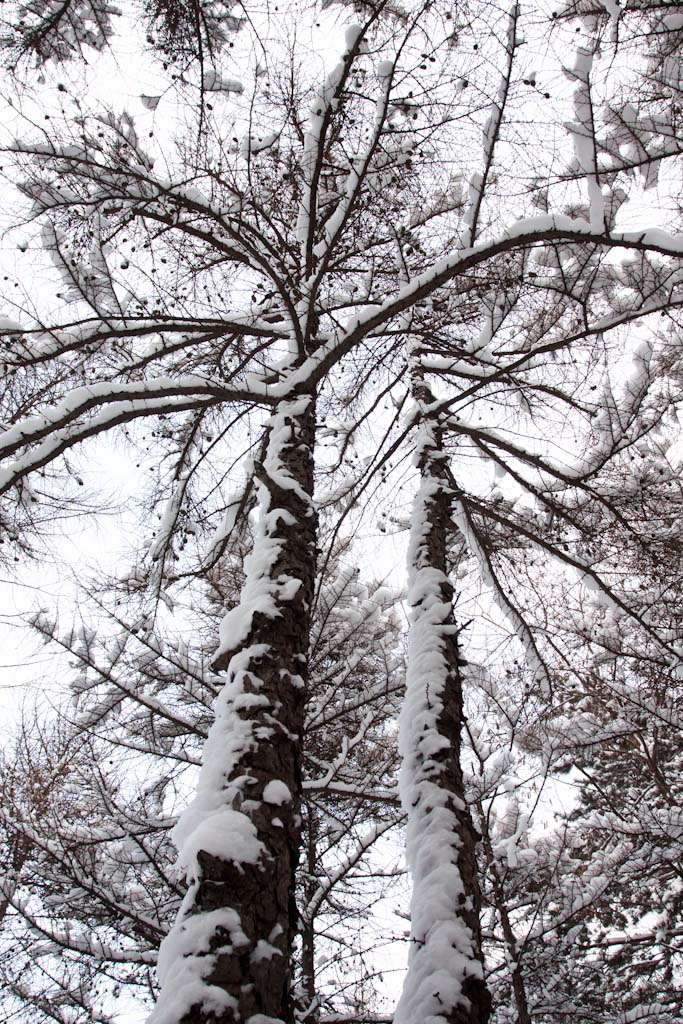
x: 445, y: 979
x: 309, y: 1010
x: 500, y: 902
x: 228, y: 957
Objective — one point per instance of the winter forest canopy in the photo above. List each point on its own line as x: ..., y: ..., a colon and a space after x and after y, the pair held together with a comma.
x: 375, y: 310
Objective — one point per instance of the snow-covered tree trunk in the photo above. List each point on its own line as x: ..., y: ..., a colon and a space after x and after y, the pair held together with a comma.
x: 228, y: 957
x: 445, y: 980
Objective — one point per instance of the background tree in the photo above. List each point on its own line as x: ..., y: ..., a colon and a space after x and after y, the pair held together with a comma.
x: 102, y: 891
x: 182, y: 30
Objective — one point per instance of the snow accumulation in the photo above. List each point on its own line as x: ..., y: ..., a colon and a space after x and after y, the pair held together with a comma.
x: 613, y: 9
x: 277, y: 792
x: 7, y: 325
x: 353, y: 39
x: 213, y: 81
x: 442, y: 952
x: 185, y: 963
x: 211, y: 824
x: 222, y: 833
x: 229, y: 739
x: 263, y: 951
x: 258, y: 143
x: 217, y: 820
x: 583, y: 136
x: 282, y: 434
x: 261, y: 592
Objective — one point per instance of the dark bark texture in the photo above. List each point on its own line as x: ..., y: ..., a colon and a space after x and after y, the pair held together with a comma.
x: 263, y: 893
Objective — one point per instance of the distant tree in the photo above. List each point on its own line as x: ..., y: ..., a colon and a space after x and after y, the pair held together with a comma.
x: 97, y: 885
x: 51, y: 779
x: 59, y: 30
x: 580, y: 911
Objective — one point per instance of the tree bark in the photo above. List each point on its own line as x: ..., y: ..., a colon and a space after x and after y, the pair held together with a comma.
x: 228, y: 957
x: 310, y: 1010
x: 445, y: 979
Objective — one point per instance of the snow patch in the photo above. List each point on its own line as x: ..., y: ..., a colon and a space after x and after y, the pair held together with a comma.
x: 213, y: 81
x: 277, y: 792
x: 224, y: 833
x: 185, y: 963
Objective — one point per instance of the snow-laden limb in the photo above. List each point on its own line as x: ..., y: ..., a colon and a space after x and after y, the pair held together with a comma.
x: 83, y: 399
x: 39, y: 345
x: 517, y: 236
x: 583, y: 134
x: 445, y: 979
x: 359, y: 168
x: 491, y: 134
x: 63, y: 937
x: 55, y: 31
x: 91, y: 410
x: 62, y: 440
x: 238, y: 839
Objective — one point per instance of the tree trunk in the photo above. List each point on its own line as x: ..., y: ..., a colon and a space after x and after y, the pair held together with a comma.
x: 445, y: 979
x: 309, y: 1009
x: 228, y: 957
x: 513, y: 952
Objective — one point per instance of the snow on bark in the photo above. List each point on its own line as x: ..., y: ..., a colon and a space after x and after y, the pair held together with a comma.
x: 213, y: 81
x: 445, y: 980
x: 238, y: 840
